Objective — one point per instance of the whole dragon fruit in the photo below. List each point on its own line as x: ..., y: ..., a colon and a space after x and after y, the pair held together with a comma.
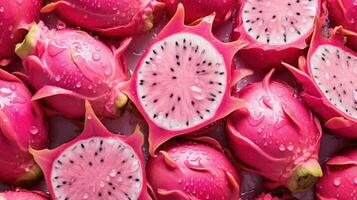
x: 182, y: 82
x: 20, y: 194
x: 109, y: 18
x: 67, y: 67
x: 344, y: 12
x: 21, y: 125
x: 340, y: 178
x: 200, y: 9
x: 275, y: 30
x: 192, y: 170
x: 276, y: 136
x: 95, y: 165
x: 14, y: 25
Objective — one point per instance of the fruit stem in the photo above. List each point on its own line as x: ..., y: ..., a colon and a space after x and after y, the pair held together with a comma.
x: 305, y: 175
x: 26, y: 47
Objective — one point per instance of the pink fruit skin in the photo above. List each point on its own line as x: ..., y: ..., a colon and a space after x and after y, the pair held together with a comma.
x: 67, y: 67
x: 192, y: 170
x: 275, y: 133
x: 340, y: 178
x: 199, y: 9
x: 344, y: 12
x: 23, y: 195
x: 109, y: 18
x: 268, y: 196
x: 15, y: 23
x: 22, y: 125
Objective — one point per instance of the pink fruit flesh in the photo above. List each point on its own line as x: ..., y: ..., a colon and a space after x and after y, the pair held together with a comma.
x: 97, y: 164
x: 276, y: 136
x: 182, y: 83
x: 22, y: 195
x: 192, y: 170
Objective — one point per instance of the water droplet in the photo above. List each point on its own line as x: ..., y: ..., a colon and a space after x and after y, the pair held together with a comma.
x: 34, y: 130
x: 113, y: 173
x: 108, y: 71
x: 78, y: 84
x: 282, y: 147
x: 2, y: 9
x: 355, y: 180
x: 290, y: 147
x: 85, y: 196
x: 337, y: 181
x: 13, y: 87
x: 101, y: 184
x: 96, y: 56
x: 57, y: 78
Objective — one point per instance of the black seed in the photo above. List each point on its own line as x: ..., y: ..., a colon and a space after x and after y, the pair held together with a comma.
x: 193, y: 103
x: 99, y: 194
x: 178, y: 63
x: 258, y: 36
x: 82, y: 145
x: 101, y: 160
x: 177, y: 57
x: 58, y: 186
x: 207, y: 111
x: 109, y: 193
x: 178, y: 98
x: 213, y: 95
x: 177, y: 44
x: 250, y: 29
x: 198, y: 64
x: 151, y: 59
x: 59, y: 162
x: 174, y: 77
x: 260, y: 11
x: 155, y: 115
x: 189, y: 58
x: 64, y: 182
x: 171, y: 95
x: 143, y: 97
x: 154, y: 74
x: 211, y: 82
x: 137, y: 180
x: 210, y: 99
x: 274, y: 16
x: 298, y: 13
x: 172, y: 69
x: 173, y: 108
x: 187, y: 123
x: 90, y: 163
x: 166, y: 115
x: 71, y: 161
x: 155, y: 100
x: 198, y: 112
x: 154, y: 84
x: 129, y: 177
x: 154, y: 52
x: 123, y: 161
x: 162, y: 47
x: 219, y: 83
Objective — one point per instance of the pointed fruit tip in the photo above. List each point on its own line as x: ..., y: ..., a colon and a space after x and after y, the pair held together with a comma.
x: 121, y: 100
x: 28, y: 44
x: 305, y: 176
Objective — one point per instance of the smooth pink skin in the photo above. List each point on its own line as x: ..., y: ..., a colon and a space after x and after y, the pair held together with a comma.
x: 67, y: 67
x: 343, y: 12
x: 14, y: 25
x: 23, y: 195
x: 340, y: 177
x: 109, y: 18
x: 274, y: 116
x: 190, y: 171
x: 338, y: 122
x: 92, y: 128
x: 17, y: 120
x: 158, y: 135
x: 198, y: 9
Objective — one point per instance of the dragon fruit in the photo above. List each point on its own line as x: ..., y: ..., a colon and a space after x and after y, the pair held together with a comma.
x: 344, y: 12
x: 20, y: 194
x: 71, y: 66
x: 192, y: 170
x: 187, y: 89
x: 275, y: 30
x: 14, y: 25
x: 276, y: 136
x: 109, y: 18
x: 340, y: 178
x: 17, y: 166
x: 97, y: 164
x: 200, y: 9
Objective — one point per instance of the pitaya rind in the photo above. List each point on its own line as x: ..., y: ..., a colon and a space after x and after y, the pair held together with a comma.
x: 115, y: 161
x: 193, y: 169
x: 17, y: 166
x: 275, y: 30
x: 203, y: 74
x: 67, y: 67
x: 336, y: 104
x: 20, y: 194
x: 109, y: 18
x: 275, y: 135
x: 340, y: 177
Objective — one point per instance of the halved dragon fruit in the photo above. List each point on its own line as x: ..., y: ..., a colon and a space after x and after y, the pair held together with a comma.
x: 67, y: 67
x: 96, y: 165
x: 20, y: 194
x: 340, y: 178
x: 14, y: 25
x: 182, y: 82
x: 276, y: 136
x: 276, y: 31
x: 344, y: 12
x: 328, y: 76
x: 192, y: 170
x: 109, y: 18
x: 21, y: 125
x: 199, y: 9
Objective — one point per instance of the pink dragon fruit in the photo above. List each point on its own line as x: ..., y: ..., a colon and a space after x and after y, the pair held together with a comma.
x: 340, y: 178
x: 276, y: 136
x: 344, y: 12
x: 328, y: 77
x: 97, y: 164
x: 192, y: 170
x: 20, y: 194
x: 109, y: 18
x: 275, y: 30
x: 200, y: 9
x: 67, y: 67
x: 187, y: 89
x: 17, y: 166
x: 14, y: 25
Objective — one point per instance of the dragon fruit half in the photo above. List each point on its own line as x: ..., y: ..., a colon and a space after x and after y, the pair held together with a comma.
x: 276, y: 136
x: 20, y: 194
x: 14, y: 24
x: 67, y: 67
x: 344, y: 12
x: 276, y: 31
x: 200, y: 9
x: 21, y: 125
x: 97, y: 164
x: 340, y: 178
x: 189, y: 87
x: 192, y: 169
x: 109, y: 18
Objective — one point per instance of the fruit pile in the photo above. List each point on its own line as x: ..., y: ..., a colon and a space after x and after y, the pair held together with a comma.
x: 178, y: 99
